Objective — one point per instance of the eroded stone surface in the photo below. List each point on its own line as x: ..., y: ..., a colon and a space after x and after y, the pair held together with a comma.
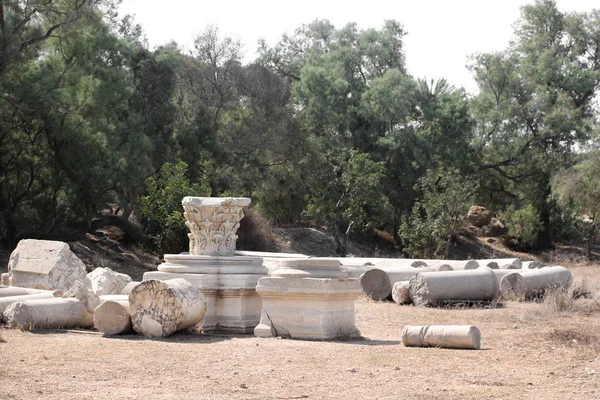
x: 431, y: 288
x: 113, y: 317
x: 45, y: 264
x: 308, y: 304
x: 213, y: 223
x: 400, y: 292
x: 449, y: 336
x: 106, y: 281
x: 160, y: 308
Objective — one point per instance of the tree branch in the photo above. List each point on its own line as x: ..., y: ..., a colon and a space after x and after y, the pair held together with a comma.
x: 45, y: 36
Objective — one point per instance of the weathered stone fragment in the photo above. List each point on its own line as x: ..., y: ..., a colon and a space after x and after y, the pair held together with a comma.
x: 374, y: 282
x: 127, y: 288
x: 44, y: 264
x: 400, y: 292
x: 479, y: 216
x: 160, y: 308
x: 430, y: 288
x: 106, y: 281
x: 21, y: 291
x: 113, y: 317
x: 6, y: 301
x: 308, y: 299
x: 448, y: 336
x: 5, y: 279
x: 76, y: 309
x: 539, y: 281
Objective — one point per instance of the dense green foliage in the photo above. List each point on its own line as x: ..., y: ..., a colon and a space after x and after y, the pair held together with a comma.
x: 429, y: 230
x: 326, y: 126
x: 160, y: 210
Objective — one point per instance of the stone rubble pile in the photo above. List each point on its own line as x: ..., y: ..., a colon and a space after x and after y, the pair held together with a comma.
x: 216, y: 288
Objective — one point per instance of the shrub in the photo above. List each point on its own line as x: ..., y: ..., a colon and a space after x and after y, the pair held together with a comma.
x: 161, y: 213
x: 523, y: 225
x: 428, y: 231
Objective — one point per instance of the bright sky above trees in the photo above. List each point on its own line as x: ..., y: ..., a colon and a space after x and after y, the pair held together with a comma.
x: 441, y: 34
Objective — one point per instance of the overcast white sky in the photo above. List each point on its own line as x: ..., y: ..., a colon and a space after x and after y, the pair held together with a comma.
x: 441, y: 33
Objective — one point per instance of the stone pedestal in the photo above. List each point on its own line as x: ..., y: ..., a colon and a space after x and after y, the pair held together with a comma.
x: 227, y: 283
x: 308, y: 299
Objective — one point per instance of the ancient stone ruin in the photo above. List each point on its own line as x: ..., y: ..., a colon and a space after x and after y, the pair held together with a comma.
x: 308, y: 299
x: 228, y: 281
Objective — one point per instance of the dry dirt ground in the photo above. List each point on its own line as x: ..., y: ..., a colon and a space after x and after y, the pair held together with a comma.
x: 529, y: 351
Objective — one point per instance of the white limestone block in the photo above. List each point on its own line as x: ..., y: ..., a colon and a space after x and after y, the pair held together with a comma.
x: 5, y: 279
x: 308, y: 299
x: 21, y: 291
x: 448, y: 336
x: 400, y: 292
x: 375, y: 283
x: 113, y: 317
x: 106, y: 281
x: 160, y: 308
x: 539, y: 281
x: 127, y: 288
x: 403, y: 273
x: 45, y: 264
x: 6, y: 301
x: 430, y: 288
x: 53, y: 313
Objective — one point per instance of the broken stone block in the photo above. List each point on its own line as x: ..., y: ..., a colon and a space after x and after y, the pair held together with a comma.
x: 479, y: 216
x: 375, y: 283
x: 448, y: 336
x: 20, y: 291
x: 6, y: 301
x: 129, y: 287
x: 45, y: 264
x: 53, y: 313
x: 5, y: 279
x: 513, y: 286
x: 113, y: 317
x: 160, y: 308
x: 431, y: 288
x: 400, y: 292
x: 74, y: 309
x: 539, y: 281
x: 308, y: 299
x: 106, y: 281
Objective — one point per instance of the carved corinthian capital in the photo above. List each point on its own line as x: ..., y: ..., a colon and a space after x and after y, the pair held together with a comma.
x: 213, y: 223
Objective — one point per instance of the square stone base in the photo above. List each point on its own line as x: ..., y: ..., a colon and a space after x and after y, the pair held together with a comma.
x: 228, y: 309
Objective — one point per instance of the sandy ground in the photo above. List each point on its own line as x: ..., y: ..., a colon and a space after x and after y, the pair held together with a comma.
x: 529, y: 351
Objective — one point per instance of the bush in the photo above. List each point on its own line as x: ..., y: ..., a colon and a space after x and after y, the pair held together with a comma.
x: 428, y: 231
x: 161, y: 213
x: 523, y: 226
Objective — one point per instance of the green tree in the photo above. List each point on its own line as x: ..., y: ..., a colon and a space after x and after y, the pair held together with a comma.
x: 578, y: 187
x: 161, y: 212
x: 535, y: 105
x: 435, y: 218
